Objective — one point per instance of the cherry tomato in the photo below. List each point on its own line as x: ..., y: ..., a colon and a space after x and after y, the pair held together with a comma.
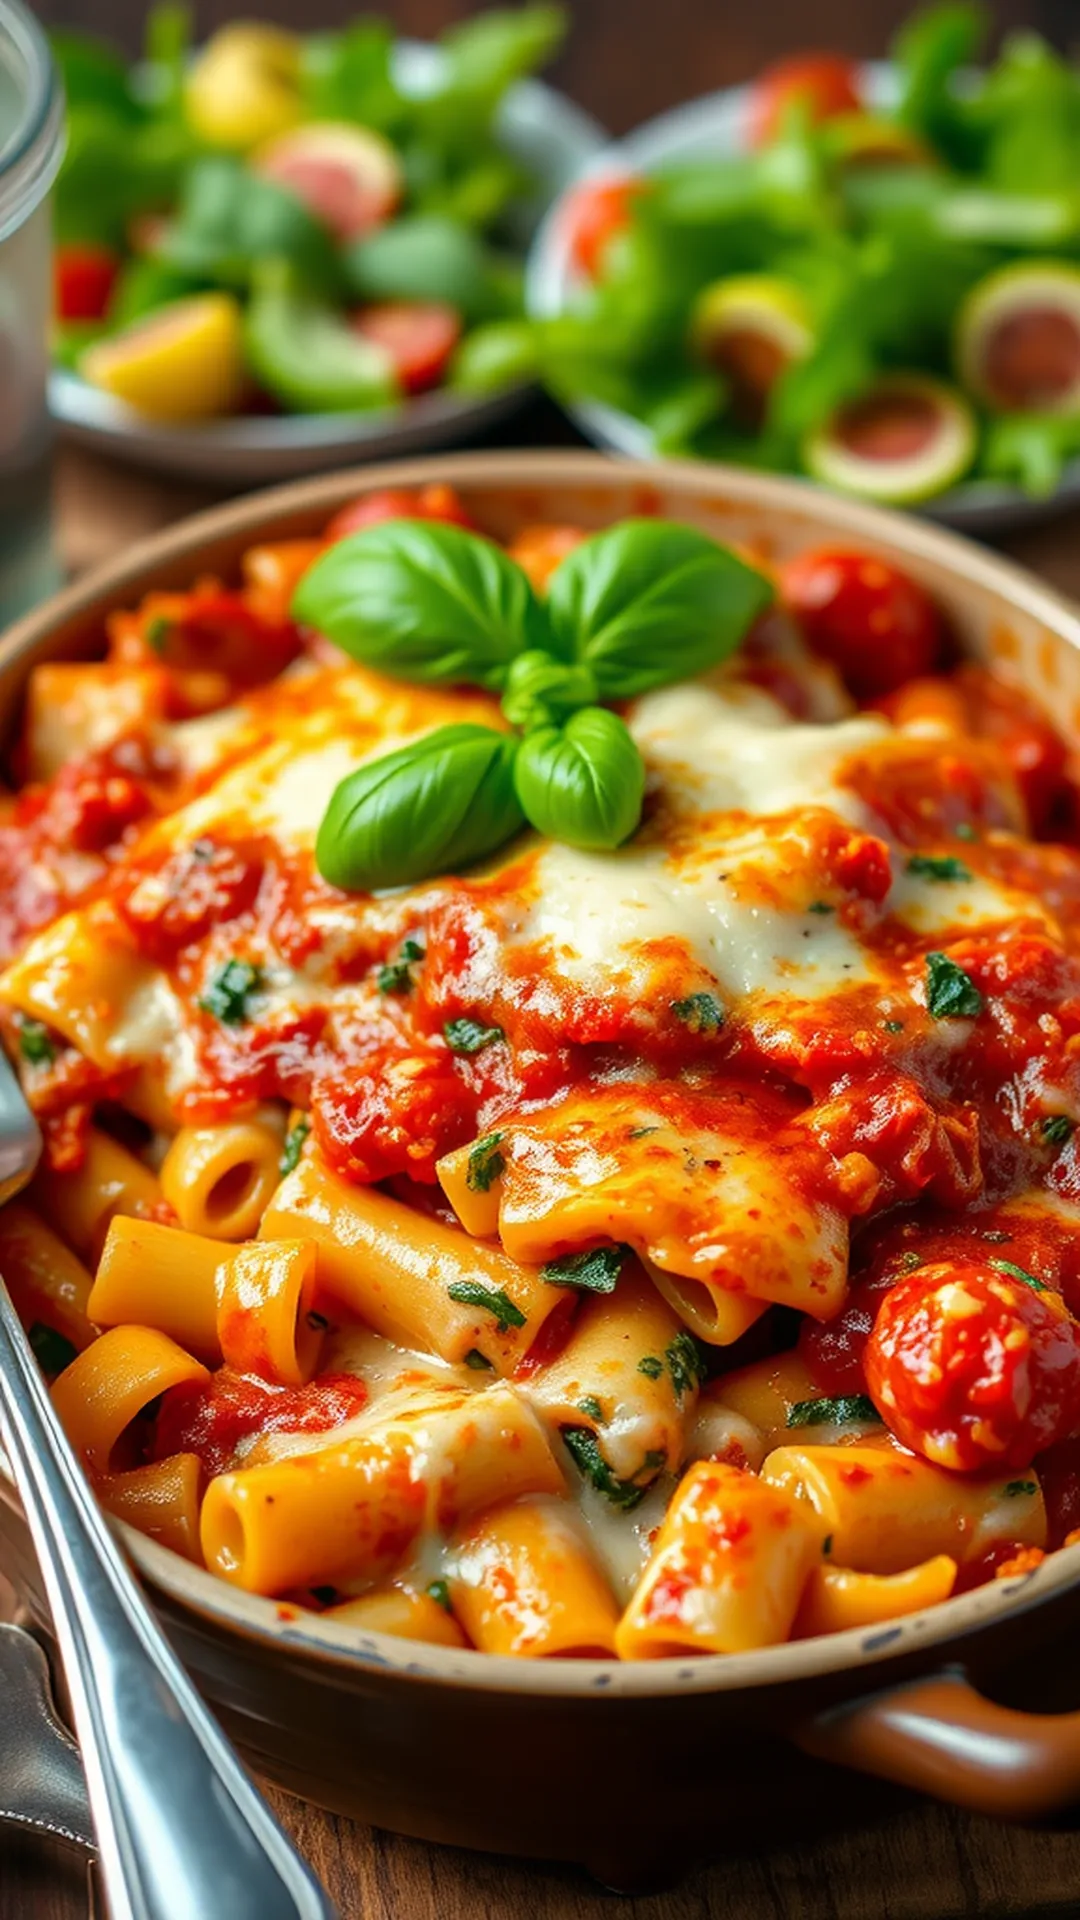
x: 83, y: 280
x: 877, y: 626
x: 592, y: 215
x: 397, y: 503
x: 217, y: 630
x: 825, y: 83
x: 973, y: 1367
x: 418, y: 335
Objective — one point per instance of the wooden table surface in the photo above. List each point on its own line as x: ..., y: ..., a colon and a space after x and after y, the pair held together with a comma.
x: 903, y: 1859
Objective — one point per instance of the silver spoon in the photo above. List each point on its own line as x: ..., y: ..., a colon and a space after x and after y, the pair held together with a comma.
x: 182, y: 1832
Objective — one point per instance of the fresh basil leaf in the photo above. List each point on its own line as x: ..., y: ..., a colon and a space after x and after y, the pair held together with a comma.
x: 307, y: 356
x: 396, y: 976
x: 649, y: 601
x: 582, y: 783
x: 584, y: 1449
x: 493, y: 1300
x: 542, y: 692
x: 435, y: 806
x: 229, y: 990
x: 424, y: 601
x: 52, y: 1351
x: 1020, y: 1273
x: 929, y: 52
x: 931, y: 866
x: 595, y: 1271
x: 848, y: 1409
x: 486, y: 1163
x: 951, y: 994
x: 470, y: 1036
x: 294, y: 1145
x: 651, y: 1366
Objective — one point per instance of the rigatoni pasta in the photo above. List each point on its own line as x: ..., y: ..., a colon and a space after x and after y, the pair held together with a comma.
x: 656, y: 1237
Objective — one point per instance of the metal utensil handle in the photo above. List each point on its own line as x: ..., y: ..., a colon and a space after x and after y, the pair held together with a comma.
x: 183, y: 1833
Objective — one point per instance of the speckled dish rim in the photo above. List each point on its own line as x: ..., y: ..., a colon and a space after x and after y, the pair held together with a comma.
x: 273, y: 1624
x: 716, y: 122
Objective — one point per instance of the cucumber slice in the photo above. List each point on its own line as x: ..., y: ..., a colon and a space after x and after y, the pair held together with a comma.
x: 906, y: 439
x: 310, y: 359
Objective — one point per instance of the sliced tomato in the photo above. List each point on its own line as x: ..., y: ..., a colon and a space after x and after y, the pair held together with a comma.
x: 877, y: 625
x: 592, y: 215
x: 397, y: 503
x: 83, y: 280
x: 825, y: 83
x: 419, y: 336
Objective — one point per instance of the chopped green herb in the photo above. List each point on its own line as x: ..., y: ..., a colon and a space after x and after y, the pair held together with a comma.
x: 1056, y: 1128
x: 701, y: 1012
x: 638, y: 1133
x: 324, y: 1595
x: 932, y: 866
x: 52, y: 1351
x: 294, y: 1145
x: 438, y: 1591
x: 910, y: 1260
x: 156, y: 633
x: 470, y: 1036
x: 996, y: 1236
x: 686, y: 1363
x: 229, y: 991
x: 595, y: 1271
x: 486, y: 1163
x: 35, y: 1043
x: 584, y: 1450
x: 470, y: 1293
x: 395, y: 976
x: 590, y: 1405
x: 318, y: 1322
x: 965, y: 831
x: 951, y: 993
x: 826, y: 1545
x: 844, y: 1411
x: 476, y: 1360
x: 652, y: 1366
x: 894, y: 1026
x: 1020, y: 1273
x: 1020, y: 1486
x: 820, y: 906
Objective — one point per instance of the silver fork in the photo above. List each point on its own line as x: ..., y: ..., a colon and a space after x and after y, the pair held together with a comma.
x: 182, y: 1832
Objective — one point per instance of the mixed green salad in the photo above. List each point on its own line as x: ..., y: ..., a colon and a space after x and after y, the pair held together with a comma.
x: 884, y: 296
x: 276, y: 222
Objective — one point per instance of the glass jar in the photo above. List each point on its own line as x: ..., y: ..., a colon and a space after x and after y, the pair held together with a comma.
x: 31, y: 147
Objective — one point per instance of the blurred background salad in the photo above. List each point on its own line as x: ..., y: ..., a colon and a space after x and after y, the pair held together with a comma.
x: 866, y: 273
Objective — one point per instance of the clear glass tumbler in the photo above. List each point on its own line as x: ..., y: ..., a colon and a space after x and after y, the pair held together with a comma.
x: 31, y: 147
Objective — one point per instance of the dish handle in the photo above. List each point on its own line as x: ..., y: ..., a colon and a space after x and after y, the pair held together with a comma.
x: 943, y: 1737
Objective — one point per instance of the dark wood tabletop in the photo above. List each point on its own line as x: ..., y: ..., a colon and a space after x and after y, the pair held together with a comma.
x: 624, y: 59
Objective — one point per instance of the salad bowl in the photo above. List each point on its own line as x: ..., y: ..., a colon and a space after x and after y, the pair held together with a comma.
x: 558, y: 1750
x: 541, y: 132
x: 713, y: 127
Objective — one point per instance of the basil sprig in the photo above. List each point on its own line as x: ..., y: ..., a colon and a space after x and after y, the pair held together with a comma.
x: 639, y: 606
